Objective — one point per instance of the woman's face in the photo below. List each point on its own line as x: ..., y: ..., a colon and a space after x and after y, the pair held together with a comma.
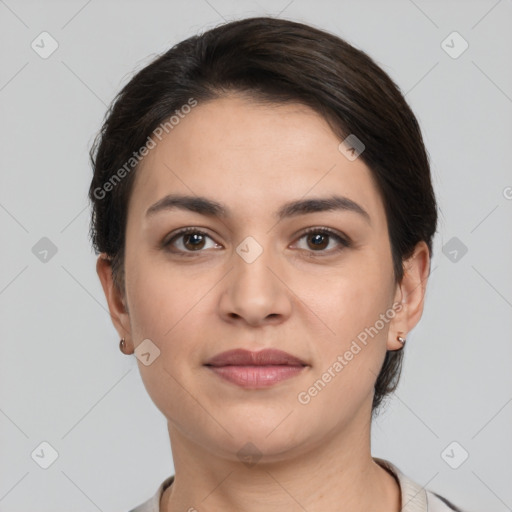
x: 256, y: 281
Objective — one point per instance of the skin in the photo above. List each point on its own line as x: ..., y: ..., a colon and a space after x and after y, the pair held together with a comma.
x: 253, y: 158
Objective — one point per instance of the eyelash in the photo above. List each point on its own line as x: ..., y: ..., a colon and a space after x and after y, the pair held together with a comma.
x: 343, y: 241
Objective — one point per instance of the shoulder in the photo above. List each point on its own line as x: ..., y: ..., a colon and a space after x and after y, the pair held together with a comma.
x: 153, y: 503
x: 415, y: 498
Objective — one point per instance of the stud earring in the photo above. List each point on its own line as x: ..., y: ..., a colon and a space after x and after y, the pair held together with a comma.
x: 122, y: 346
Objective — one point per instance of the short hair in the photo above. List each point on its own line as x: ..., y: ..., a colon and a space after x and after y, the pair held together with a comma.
x: 278, y: 61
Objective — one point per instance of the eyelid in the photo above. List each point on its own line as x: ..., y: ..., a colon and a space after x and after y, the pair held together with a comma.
x: 344, y: 242
x: 181, y: 232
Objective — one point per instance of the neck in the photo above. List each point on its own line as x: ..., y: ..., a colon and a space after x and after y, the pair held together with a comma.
x: 334, y: 474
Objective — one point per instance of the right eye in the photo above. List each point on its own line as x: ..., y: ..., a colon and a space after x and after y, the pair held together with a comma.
x: 190, y: 239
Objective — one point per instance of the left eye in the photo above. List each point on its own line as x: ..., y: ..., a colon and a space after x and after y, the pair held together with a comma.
x: 193, y: 240
x: 319, y: 238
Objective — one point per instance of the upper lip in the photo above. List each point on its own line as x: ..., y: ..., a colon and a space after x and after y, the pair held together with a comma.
x: 241, y: 357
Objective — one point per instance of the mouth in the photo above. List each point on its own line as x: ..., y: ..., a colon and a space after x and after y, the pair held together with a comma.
x: 266, y: 357
x: 255, y: 370
x: 254, y: 377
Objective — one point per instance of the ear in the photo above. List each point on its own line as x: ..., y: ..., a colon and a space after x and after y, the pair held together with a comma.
x: 410, y: 294
x: 116, y: 302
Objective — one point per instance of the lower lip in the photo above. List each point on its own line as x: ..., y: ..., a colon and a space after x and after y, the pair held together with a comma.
x: 256, y: 376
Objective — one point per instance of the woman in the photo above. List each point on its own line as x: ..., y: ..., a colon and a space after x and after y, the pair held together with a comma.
x: 264, y: 215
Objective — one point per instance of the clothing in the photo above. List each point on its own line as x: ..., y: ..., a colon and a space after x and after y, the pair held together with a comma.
x: 414, y: 497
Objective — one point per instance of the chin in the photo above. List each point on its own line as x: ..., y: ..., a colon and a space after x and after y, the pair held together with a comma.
x: 264, y: 442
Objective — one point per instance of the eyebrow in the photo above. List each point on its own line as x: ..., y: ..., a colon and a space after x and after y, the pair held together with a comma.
x: 211, y: 208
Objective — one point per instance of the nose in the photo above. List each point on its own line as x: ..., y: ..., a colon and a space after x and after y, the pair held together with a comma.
x: 255, y: 291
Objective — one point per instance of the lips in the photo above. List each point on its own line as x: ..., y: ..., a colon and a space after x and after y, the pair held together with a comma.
x: 266, y: 357
x: 256, y: 370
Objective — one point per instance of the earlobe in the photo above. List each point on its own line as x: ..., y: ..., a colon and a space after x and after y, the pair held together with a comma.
x: 115, y: 301
x: 398, y: 328
x: 410, y: 295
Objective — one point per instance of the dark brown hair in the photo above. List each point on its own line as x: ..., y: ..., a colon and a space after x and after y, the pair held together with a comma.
x: 275, y: 61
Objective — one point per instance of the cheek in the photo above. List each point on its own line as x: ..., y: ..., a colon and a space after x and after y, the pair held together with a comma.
x: 161, y: 310
x: 351, y: 299
x: 166, y: 306
x: 160, y: 300
x: 349, y: 362
x: 350, y: 355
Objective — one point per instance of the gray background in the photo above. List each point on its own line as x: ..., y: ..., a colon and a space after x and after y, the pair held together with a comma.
x: 62, y: 377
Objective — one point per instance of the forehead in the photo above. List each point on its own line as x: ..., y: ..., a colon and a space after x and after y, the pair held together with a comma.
x: 247, y: 154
